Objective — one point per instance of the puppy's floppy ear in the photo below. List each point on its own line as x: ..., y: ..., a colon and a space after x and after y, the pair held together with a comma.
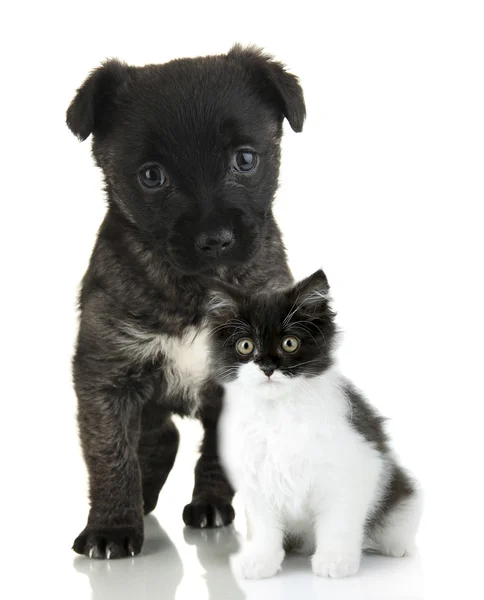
x: 313, y: 291
x: 279, y: 86
x: 89, y: 110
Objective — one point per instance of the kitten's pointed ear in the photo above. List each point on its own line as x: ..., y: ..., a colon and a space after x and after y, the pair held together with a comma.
x: 275, y: 83
x: 89, y: 111
x: 221, y: 303
x: 314, y: 290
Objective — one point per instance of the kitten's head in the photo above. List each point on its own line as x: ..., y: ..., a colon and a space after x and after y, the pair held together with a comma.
x: 273, y: 339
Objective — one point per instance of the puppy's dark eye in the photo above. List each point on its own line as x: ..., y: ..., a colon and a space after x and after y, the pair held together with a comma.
x: 245, y: 161
x: 152, y: 176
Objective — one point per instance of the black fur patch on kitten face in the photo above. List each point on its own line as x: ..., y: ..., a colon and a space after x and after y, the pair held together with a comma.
x: 190, y: 150
x: 302, y: 312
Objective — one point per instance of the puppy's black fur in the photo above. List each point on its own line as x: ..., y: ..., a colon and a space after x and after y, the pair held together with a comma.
x: 184, y: 212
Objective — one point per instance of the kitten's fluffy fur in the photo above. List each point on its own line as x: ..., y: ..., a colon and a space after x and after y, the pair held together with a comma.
x: 304, y: 448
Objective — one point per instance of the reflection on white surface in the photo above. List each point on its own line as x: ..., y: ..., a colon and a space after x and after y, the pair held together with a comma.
x: 202, y: 565
x: 156, y: 573
x: 214, y: 549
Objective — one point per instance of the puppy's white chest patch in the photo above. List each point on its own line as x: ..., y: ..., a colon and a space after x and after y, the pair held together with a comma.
x: 186, y: 364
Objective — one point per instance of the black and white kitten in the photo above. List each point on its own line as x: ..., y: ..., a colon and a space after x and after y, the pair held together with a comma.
x: 305, y: 450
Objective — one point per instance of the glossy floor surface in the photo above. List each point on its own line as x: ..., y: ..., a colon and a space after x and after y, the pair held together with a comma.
x: 187, y: 564
x: 202, y: 562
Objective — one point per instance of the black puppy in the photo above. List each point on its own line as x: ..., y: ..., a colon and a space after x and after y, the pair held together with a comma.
x: 190, y: 155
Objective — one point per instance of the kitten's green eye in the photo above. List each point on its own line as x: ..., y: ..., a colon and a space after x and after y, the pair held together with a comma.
x: 245, y: 346
x: 290, y: 344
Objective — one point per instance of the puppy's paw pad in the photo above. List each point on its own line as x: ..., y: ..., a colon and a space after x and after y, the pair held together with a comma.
x: 329, y: 564
x: 208, y: 513
x: 108, y: 544
x: 259, y: 566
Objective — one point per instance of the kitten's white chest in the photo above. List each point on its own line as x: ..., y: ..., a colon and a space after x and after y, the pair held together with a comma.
x: 277, y: 449
x: 270, y: 448
x: 290, y: 449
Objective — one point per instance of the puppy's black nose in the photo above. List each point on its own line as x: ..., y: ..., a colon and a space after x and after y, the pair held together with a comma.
x: 214, y: 244
x: 267, y: 371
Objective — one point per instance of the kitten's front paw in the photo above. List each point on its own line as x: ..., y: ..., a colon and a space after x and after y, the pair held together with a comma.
x: 335, y: 564
x: 256, y: 565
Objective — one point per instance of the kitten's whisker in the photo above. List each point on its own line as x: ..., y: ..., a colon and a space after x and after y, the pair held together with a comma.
x: 240, y: 322
x: 220, y: 328
x: 309, y: 333
x: 230, y: 324
x: 311, y: 393
x: 303, y: 363
x: 226, y: 377
x: 221, y: 370
x: 225, y: 371
x: 292, y: 312
x: 314, y: 325
x: 239, y: 332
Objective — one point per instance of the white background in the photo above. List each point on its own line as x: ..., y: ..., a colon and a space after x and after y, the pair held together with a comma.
x: 384, y: 189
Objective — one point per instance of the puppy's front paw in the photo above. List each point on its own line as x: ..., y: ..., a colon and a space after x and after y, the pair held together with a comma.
x: 208, y: 512
x: 256, y: 565
x: 116, y: 542
x: 336, y: 564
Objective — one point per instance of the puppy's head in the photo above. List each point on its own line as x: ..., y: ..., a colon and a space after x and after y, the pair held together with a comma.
x: 190, y: 149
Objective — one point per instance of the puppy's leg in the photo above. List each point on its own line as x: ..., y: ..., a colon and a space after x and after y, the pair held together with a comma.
x: 211, y: 504
x: 158, y: 446
x: 109, y: 425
